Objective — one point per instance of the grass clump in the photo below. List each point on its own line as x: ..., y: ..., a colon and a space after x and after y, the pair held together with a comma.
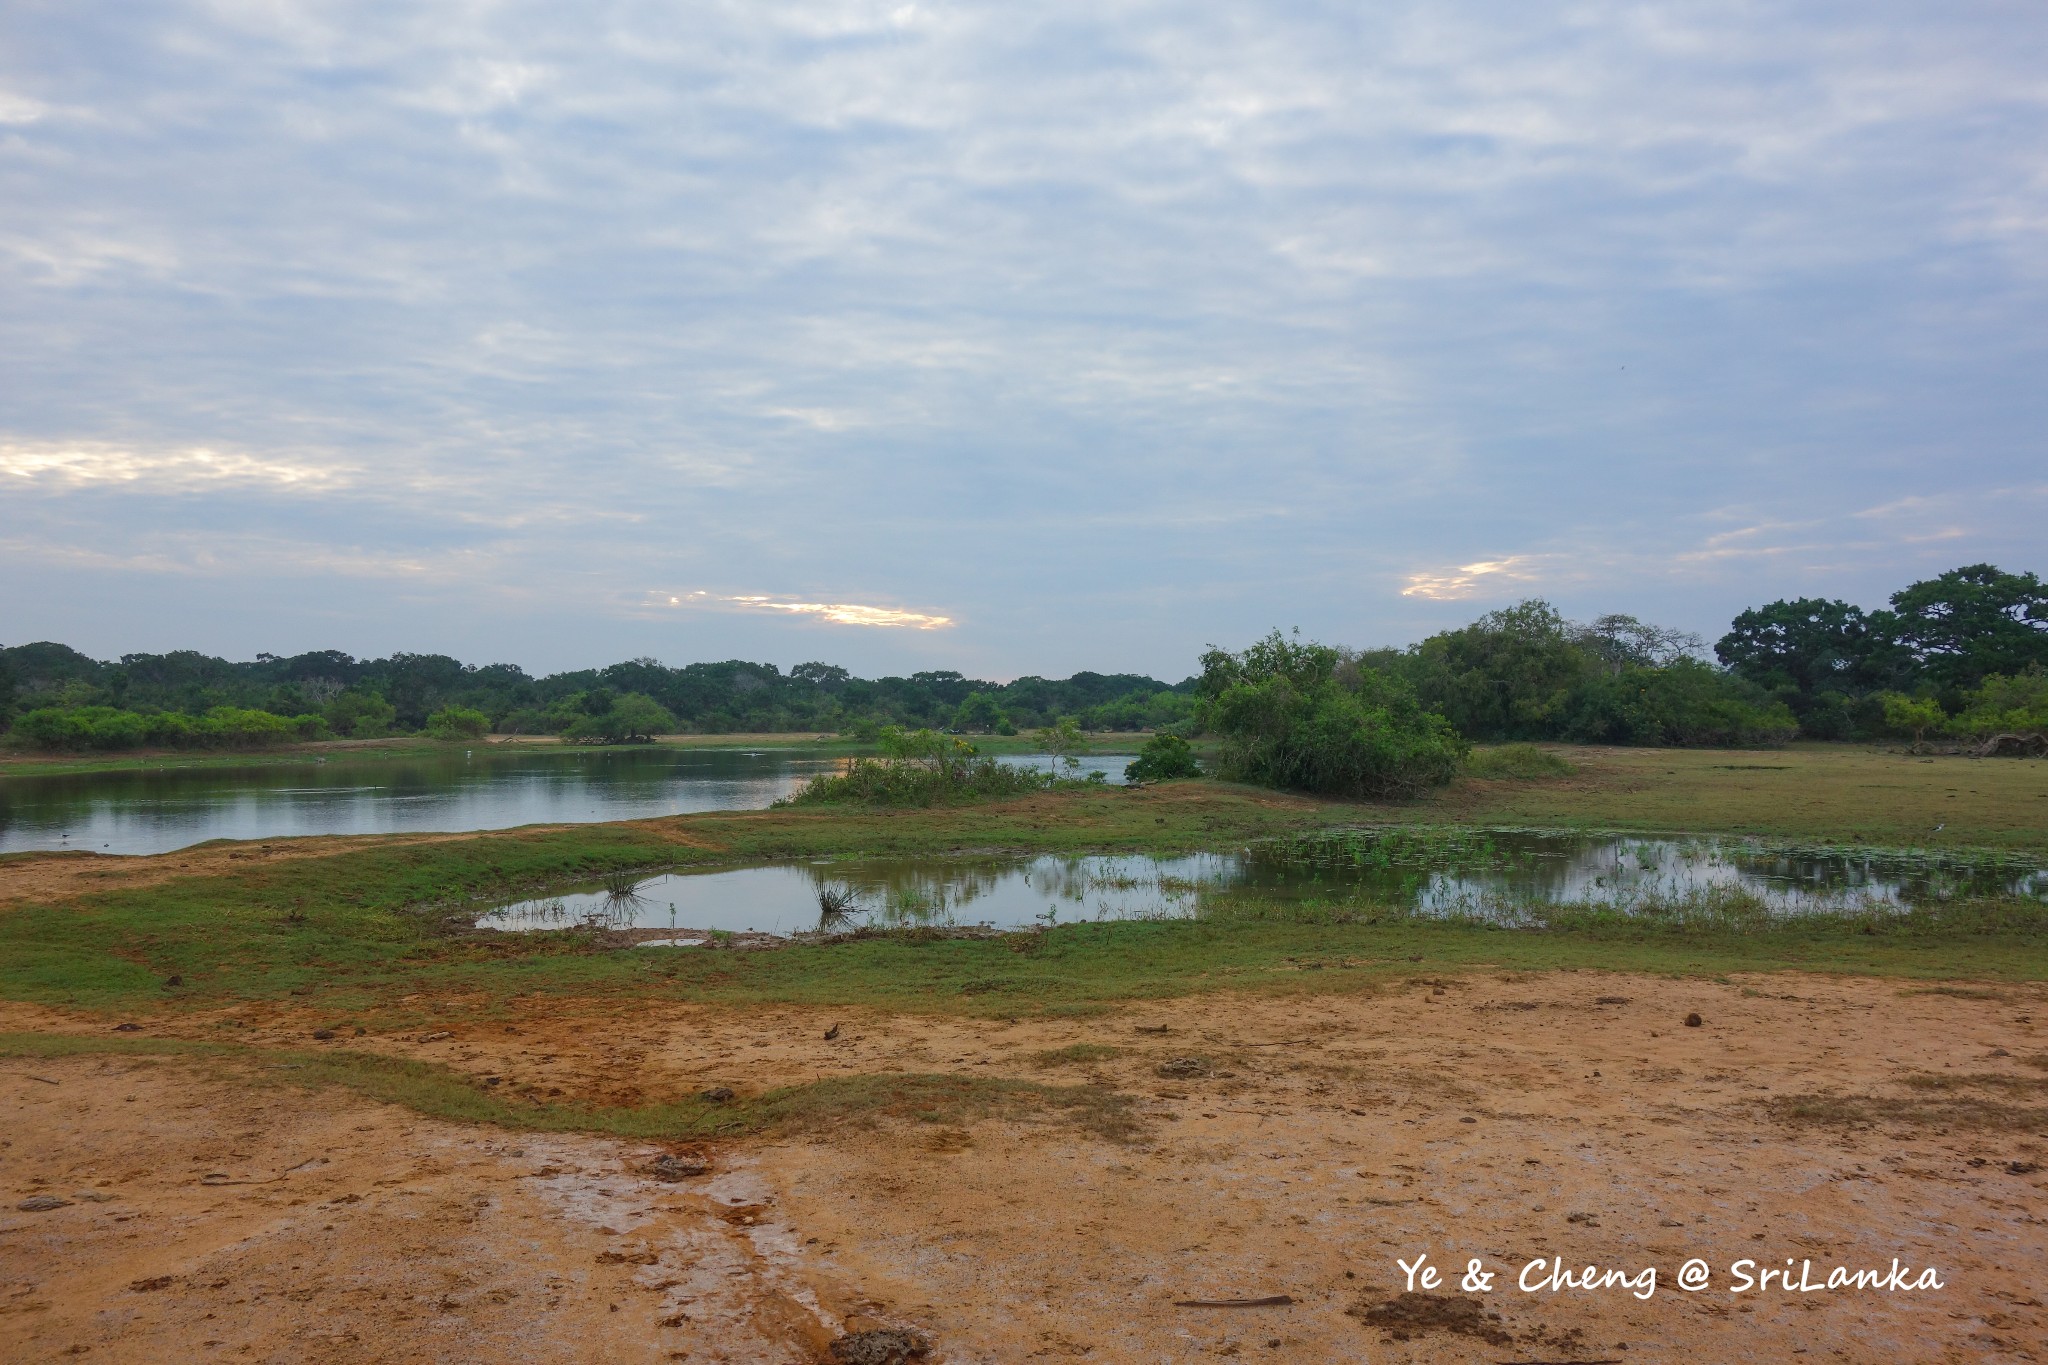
x: 1948, y: 1110
x: 1523, y: 762
x: 1074, y: 1054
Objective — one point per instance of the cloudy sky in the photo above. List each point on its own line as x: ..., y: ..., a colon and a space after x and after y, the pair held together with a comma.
x: 1009, y: 338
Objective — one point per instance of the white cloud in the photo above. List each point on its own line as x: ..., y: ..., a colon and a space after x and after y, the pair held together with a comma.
x: 836, y: 613
x: 194, y: 469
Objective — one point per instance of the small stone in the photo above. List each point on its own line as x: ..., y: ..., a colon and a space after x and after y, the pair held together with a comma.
x: 717, y: 1094
x: 42, y: 1203
x: 323, y: 1034
x: 1693, y: 1021
x: 127, y: 1028
x: 174, y: 981
x: 152, y: 1283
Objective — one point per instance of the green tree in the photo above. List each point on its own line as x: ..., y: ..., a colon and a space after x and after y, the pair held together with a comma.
x: 1915, y: 714
x: 1305, y: 718
x: 1062, y: 742
x: 360, y: 714
x: 980, y: 713
x: 1508, y: 675
x: 1972, y: 622
x: 631, y: 718
x: 2007, y: 704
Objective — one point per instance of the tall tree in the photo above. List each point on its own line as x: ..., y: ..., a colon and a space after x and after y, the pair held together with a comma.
x: 1972, y: 622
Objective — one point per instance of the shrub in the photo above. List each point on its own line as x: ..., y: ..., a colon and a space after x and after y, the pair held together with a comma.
x: 1164, y: 758
x: 361, y: 715
x: 1289, y: 717
x: 108, y: 727
x: 1684, y: 704
x: 458, y: 722
x: 919, y: 768
x: 2003, y: 704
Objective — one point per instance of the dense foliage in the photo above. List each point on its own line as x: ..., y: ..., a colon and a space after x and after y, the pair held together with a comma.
x: 1307, y: 718
x: 1526, y: 673
x: 1164, y: 758
x: 404, y: 694
x: 1971, y: 643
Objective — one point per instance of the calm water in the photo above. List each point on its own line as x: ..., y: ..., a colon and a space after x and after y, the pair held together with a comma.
x: 155, y: 811
x: 1499, y: 875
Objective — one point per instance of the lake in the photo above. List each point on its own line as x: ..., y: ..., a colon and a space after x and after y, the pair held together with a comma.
x: 1505, y: 876
x: 156, y: 810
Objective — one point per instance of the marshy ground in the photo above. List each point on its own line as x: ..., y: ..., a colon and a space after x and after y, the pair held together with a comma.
x: 1031, y: 1149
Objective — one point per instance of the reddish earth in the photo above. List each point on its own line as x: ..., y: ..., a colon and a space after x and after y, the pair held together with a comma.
x: 1311, y: 1142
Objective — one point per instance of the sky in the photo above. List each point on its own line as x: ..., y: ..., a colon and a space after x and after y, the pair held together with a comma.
x: 1006, y: 338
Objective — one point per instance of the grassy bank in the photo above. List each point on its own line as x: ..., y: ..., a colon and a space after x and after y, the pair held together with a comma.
x: 352, y: 932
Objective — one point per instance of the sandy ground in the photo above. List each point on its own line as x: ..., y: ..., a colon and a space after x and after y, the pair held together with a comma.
x: 1311, y: 1142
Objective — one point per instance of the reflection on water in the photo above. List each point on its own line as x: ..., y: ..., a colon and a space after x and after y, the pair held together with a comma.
x: 155, y: 810
x: 1498, y: 875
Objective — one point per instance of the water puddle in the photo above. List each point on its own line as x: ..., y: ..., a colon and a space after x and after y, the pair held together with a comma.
x: 1505, y: 876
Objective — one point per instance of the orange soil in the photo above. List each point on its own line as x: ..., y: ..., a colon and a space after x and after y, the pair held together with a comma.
x: 1500, y: 1118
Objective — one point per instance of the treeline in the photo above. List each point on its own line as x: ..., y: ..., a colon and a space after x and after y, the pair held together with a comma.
x: 1964, y: 654
x: 55, y: 696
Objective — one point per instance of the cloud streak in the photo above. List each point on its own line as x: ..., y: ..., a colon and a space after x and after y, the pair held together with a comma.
x: 834, y: 613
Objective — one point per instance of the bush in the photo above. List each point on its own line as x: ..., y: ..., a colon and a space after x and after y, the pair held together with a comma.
x: 1163, y: 759
x: 360, y: 715
x: 1288, y: 719
x: 2006, y: 704
x: 108, y: 727
x: 458, y: 722
x: 920, y: 768
x: 1517, y: 761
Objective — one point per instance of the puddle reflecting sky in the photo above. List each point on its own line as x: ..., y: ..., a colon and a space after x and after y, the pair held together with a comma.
x: 1492, y: 874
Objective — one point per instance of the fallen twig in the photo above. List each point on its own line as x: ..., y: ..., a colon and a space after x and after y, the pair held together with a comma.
x: 1270, y: 1301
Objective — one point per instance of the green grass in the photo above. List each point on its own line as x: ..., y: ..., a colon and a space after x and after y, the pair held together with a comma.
x: 1519, y: 761
x: 356, y: 930
x: 439, y: 1092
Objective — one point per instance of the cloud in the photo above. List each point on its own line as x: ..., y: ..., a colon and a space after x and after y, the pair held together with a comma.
x: 1049, y: 315
x: 195, y: 469
x: 1451, y: 585
x: 837, y: 613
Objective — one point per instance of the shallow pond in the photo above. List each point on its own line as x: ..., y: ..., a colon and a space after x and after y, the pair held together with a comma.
x: 1503, y: 876
x: 155, y: 810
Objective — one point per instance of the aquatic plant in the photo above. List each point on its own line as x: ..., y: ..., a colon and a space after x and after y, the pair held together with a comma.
x: 836, y: 906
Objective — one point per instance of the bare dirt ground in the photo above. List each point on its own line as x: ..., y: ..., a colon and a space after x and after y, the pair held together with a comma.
x: 1290, y: 1146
